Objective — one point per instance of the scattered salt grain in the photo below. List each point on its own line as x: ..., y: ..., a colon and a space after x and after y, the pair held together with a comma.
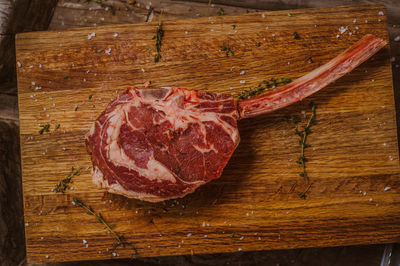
x: 47, y: 256
x: 205, y: 236
x: 142, y: 69
x: 263, y: 15
x: 108, y: 51
x: 91, y: 35
x: 240, y: 249
x: 41, y: 237
x: 370, y: 199
x: 19, y: 64
x: 87, y: 245
x: 33, y: 83
x: 357, y: 28
x: 212, y: 30
x: 38, y: 88
x: 337, y: 36
x: 242, y: 81
x: 343, y: 29
x: 186, y: 32
x: 288, y: 63
x: 179, y: 246
x: 380, y: 13
x: 386, y: 188
x: 365, y: 193
x: 115, y: 35
x: 264, y: 39
x: 231, y: 88
x: 30, y: 66
x: 397, y: 38
x: 189, y: 235
x: 114, y: 254
x: 390, y: 158
x: 372, y: 80
x: 247, y: 214
x: 242, y: 72
x: 354, y: 20
x: 273, y: 35
x: 259, y: 238
x: 366, y: 21
x: 149, y: 246
x: 26, y: 224
x: 40, y: 65
x: 267, y: 28
x: 84, y: 241
x: 241, y: 238
x: 183, y: 241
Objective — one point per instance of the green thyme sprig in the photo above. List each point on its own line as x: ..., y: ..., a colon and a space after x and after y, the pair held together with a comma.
x: 100, y: 219
x: 227, y: 49
x: 158, y: 37
x: 303, y: 142
x: 64, y: 184
x: 303, y: 195
x: 221, y: 12
x: 44, y: 128
x: 265, y: 85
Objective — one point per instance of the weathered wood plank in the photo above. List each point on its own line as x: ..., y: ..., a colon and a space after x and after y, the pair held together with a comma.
x: 354, y: 138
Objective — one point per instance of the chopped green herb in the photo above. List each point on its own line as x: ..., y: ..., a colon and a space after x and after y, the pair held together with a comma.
x: 58, y: 126
x: 63, y: 185
x: 258, y: 44
x: 233, y: 26
x: 99, y: 51
x: 294, y: 119
x: 65, y: 77
x: 246, y: 94
x: 221, y: 12
x: 178, y: 169
x: 303, y: 195
x: 44, y: 128
x: 232, y: 235
x: 303, y: 138
x: 288, y: 14
x: 100, y: 219
x: 158, y: 37
x: 90, y: 96
x: 227, y: 50
x: 296, y: 35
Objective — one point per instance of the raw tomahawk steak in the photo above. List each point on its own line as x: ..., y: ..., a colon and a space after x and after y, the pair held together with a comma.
x: 159, y: 144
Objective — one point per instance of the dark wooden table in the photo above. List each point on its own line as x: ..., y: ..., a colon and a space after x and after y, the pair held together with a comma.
x: 24, y: 15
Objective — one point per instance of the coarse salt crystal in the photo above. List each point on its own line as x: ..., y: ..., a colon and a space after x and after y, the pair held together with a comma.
x: 33, y: 83
x: 263, y: 15
x: 47, y: 256
x: 266, y: 27
x: 392, y: 59
x: 38, y: 88
x: 247, y: 214
x: 87, y: 245
x: 242, y: 72
x: 241, y: 238
x: 390, y: 158
x: 40, y: 65
x: 365, y: 193
x: 142, y: 69
x: 259, y: 238
x: 343, y: 29
x: 26, y: 224
x: 380, y: 13
x: 386, y: 188
x: 397, y: 38
x: 114, y: 254
x: 108, y: 51
x: 91, y: 35
x: 273, y: 35
x: 189, y: 235
x: 242, y: 81
x: 337, y: 36
x: 30, y: 66
x: 240, y: 249
x: 115, y: 35
x: 212, y: 30
x: 84, y: 241
x: 19, y: 64
x: 186, y: 32
x: 354, y: 20
x: 206, y: 236
x: 370, y: 199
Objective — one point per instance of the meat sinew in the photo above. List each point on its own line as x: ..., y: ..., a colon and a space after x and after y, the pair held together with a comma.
x: 159, y: 144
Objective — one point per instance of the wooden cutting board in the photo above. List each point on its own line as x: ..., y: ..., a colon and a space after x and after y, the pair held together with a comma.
x: 66, y: 78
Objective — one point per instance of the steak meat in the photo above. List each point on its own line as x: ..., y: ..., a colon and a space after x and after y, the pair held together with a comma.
x: 158, y: 144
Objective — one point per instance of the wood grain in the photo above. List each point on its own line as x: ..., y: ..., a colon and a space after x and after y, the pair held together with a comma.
x: 255, y: 204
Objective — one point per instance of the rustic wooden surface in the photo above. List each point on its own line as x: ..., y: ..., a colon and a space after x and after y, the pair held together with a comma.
x: 258, y: 191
